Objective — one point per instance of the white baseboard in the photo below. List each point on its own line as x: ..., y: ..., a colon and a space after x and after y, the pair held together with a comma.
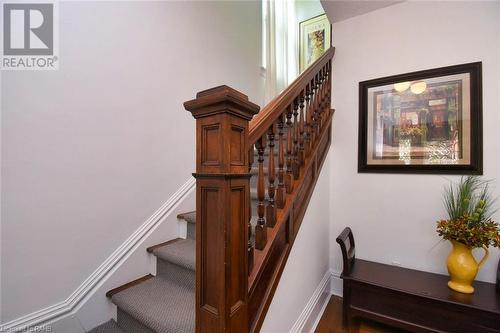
x: 331, y: 284
x: 314, y: 308
x: 320, y: 313
x: 63, y: 311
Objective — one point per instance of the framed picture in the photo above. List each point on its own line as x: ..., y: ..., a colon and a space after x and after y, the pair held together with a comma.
x: 422, y: 122
x: 315, y: 37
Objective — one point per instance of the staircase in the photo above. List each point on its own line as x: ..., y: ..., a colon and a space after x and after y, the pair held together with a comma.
x: 255, y: 175
x: 161, y: 303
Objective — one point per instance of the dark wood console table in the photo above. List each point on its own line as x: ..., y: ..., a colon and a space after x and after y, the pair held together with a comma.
x: 414, y: 300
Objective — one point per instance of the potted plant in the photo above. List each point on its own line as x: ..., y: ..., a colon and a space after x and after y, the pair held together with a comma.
x: 470, y: 208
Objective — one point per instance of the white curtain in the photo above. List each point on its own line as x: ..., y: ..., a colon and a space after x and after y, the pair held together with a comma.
x: 280, y: 50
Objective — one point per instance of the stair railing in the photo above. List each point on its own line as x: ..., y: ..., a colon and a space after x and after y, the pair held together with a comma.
x: 238, y: 265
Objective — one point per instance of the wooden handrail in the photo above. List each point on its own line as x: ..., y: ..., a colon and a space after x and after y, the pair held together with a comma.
x: 271, y: 159
x: 268, y: 114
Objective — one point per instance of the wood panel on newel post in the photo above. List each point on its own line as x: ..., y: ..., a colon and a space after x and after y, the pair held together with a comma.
x: 222, y: 208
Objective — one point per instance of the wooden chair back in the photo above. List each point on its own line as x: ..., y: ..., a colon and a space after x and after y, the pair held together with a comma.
x: 346, y: 242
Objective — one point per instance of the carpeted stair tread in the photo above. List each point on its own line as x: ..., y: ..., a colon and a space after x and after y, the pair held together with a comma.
x: 189, y: 217
x: 108, y: 327
x: 253, y: 194
x: 253, y: 219
x: 191, y: 231
x: 254, y: 171
x: 180, y: 253
x: 161, y: 304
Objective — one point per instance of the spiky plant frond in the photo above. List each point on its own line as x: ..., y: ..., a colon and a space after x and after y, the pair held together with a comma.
x: 470, y: 208
x: 471, y: 198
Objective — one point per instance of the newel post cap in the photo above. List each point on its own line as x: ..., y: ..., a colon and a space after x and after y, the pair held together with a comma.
x: 221, y: 99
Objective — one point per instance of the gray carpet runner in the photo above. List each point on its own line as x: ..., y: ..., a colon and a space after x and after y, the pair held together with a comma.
x: 108, y: 327
x: 166, y: 302
x: 190, y: 218
x: 181, y: 253
x: 162, y: 304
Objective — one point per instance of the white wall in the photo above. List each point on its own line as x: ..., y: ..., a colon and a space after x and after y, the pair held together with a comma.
x: 393, y: 216
x: 306, y: 9
x: 90, y: 151
x: 342, y: 10
x: 307, y: 263
x: 1, y: 96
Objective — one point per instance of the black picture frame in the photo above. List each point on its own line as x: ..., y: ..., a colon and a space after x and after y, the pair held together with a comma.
x: 476, y: 133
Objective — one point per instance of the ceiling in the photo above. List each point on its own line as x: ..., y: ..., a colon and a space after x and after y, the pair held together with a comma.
x: 342, y: 10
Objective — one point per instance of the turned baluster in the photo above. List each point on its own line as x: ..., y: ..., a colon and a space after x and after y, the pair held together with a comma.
x: 318, y: 102
x: 249, y: 244
x: 281, y: 192
x: 321, y: 102
x: 271, y: 207
x: 313, y: 110
x: 325, y: 94
x: 307, y: 130
x: 301, y: 129
x: 325, y: 91
x: 260, y: 228
x: 329, y: 88
x: 317, y: 105
x: 296, y: 133
x: 289, y: 151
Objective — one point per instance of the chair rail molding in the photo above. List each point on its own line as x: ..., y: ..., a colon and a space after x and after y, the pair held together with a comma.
x: 87, y: 288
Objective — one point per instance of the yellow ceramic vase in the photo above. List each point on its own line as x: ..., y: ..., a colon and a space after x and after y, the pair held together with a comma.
x: 463, y: 267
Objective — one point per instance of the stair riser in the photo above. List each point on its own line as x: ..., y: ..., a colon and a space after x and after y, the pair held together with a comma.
x: 183, y: 276
x: 191, y: 230
x: 131, y: 325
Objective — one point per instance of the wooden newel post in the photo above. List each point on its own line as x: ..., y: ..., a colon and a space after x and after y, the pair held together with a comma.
x: 222, y: 208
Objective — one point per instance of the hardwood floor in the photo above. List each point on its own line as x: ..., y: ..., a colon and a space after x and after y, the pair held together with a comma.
x: 331, y: 321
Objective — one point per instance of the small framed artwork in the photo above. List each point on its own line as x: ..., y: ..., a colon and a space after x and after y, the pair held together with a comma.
x: 422, y: 122
x: 315, y: 37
